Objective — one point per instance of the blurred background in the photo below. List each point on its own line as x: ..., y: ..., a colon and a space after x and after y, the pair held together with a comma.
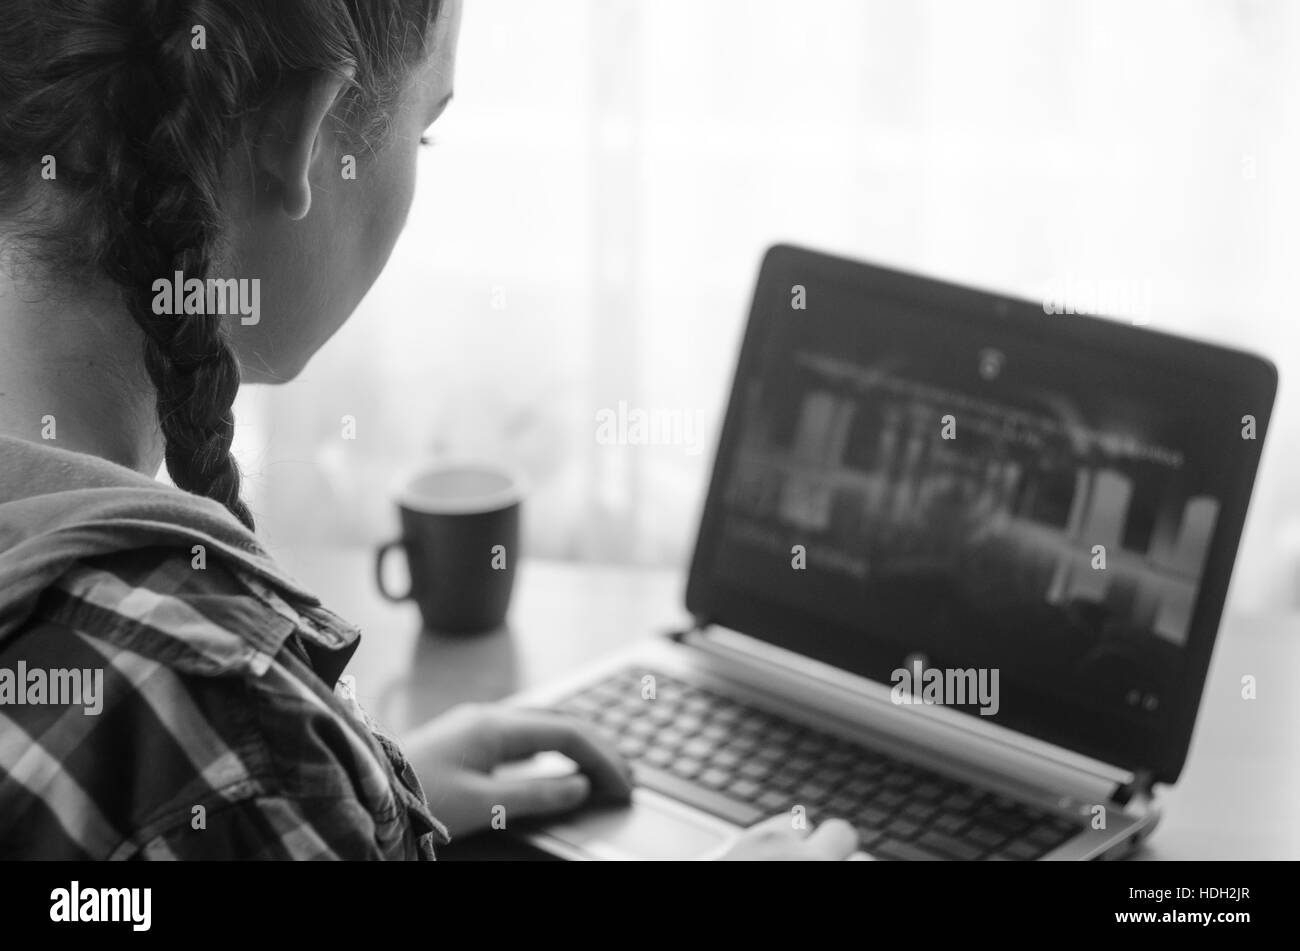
x: 588, y: 227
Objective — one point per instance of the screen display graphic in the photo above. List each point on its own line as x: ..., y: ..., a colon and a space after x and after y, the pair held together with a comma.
x: 975, y: 501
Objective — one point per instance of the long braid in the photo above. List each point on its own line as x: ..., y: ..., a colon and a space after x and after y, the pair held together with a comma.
x: 165, y: 181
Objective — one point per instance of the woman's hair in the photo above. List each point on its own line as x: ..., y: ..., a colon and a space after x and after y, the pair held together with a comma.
x: 140, y: 103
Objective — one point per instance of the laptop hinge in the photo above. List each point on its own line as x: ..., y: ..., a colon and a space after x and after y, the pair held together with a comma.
x: 1140, y: 786
x: 699, y: 625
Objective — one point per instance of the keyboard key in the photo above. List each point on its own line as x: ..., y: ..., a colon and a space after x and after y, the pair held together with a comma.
x: 614, y: 717
x: 754, y: 722
x: 669, y: 739
x: 800, y: 763
x: 1007, y: 819
x: 902, y: 828
x: 948, y: 822
x: 890, y: 798
x: 688, y: 724
x: 671, y: 691
x: 868, y: 837
x: 754, y: 769
x: 869, y: 769
x: 772, y: 801
x: 658, y: 712
x: 920, y: 811
x: 696, y: 704
x: 630, y: 747
x: 840, y: 756
x: 870, y: 815
x: 1022, y: 851
x: 742, y: 743
x: 744, y: 789
x: 715, y: 732
x: 831, y: 776
x: 890, y: 848
x: 784, y: 781
x: 686, y: 767
x: 858, y: 788
x: 1066, y: 828
x: 814, y: 791
x: 640, y: 728
x: 725, y: 759
x: 953, y: 848
x: 658, y: 756
x: 842, y: 803
x: 690, y: 792
x: 1044, y: 836
x: 986, y: 836
x: 814, y: 744
x: 715, y: 778
x: 698, y: 748
x: 727, y: 714
x: 781, y: 734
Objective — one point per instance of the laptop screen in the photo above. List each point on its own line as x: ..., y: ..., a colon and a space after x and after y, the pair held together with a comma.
x: 913, y: 479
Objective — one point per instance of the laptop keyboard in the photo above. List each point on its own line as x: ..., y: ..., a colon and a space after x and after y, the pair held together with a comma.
x: 745, y: 764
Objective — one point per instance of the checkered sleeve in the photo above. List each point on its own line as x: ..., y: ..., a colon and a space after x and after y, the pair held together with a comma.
x: 201, y: 742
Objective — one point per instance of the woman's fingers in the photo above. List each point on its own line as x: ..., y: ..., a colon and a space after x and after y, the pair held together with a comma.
x: 520, y: 798
x: 781, y: 839
x: 834, y: 840
x: 526, y: 732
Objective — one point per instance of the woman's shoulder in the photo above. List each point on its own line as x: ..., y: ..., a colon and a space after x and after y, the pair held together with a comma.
x: 198, y: 614
x: 192, y: 711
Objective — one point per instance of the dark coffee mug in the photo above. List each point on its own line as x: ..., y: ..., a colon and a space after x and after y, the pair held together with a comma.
x: 460, y: 532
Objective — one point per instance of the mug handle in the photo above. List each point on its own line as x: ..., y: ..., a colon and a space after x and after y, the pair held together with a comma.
x: 380, y: 555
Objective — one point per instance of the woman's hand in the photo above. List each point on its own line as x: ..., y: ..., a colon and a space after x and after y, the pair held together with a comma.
x: 455, y: 754
x: 776, y: 839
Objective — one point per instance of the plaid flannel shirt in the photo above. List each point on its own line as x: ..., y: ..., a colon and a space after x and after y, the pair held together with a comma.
x: 223, y: 734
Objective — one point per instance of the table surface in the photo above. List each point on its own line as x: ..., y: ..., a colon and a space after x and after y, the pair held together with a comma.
x: 1235, y: 799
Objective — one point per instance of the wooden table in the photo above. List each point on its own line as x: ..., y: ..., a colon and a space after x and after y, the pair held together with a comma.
x: 1236, y: 798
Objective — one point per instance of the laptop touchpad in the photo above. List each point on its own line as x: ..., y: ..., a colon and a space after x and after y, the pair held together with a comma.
x: 645, y: 830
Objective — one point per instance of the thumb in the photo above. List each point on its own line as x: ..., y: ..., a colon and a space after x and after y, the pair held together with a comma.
x: 539, y: 797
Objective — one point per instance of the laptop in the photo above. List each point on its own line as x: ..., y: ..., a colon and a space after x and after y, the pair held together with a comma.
x: 958, y: 577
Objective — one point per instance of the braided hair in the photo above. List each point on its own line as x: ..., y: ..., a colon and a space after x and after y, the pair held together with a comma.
x: 140, y: 103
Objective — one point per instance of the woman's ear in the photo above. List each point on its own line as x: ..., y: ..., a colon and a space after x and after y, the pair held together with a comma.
x: 289, y: 138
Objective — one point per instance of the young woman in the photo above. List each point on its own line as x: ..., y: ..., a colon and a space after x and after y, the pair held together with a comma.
x: 164, y: 690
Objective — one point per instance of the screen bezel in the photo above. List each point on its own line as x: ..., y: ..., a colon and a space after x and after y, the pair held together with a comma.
x: 1247, y: 378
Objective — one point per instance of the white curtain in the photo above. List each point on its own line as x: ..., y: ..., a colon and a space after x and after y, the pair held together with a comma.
x: 586, y: 233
